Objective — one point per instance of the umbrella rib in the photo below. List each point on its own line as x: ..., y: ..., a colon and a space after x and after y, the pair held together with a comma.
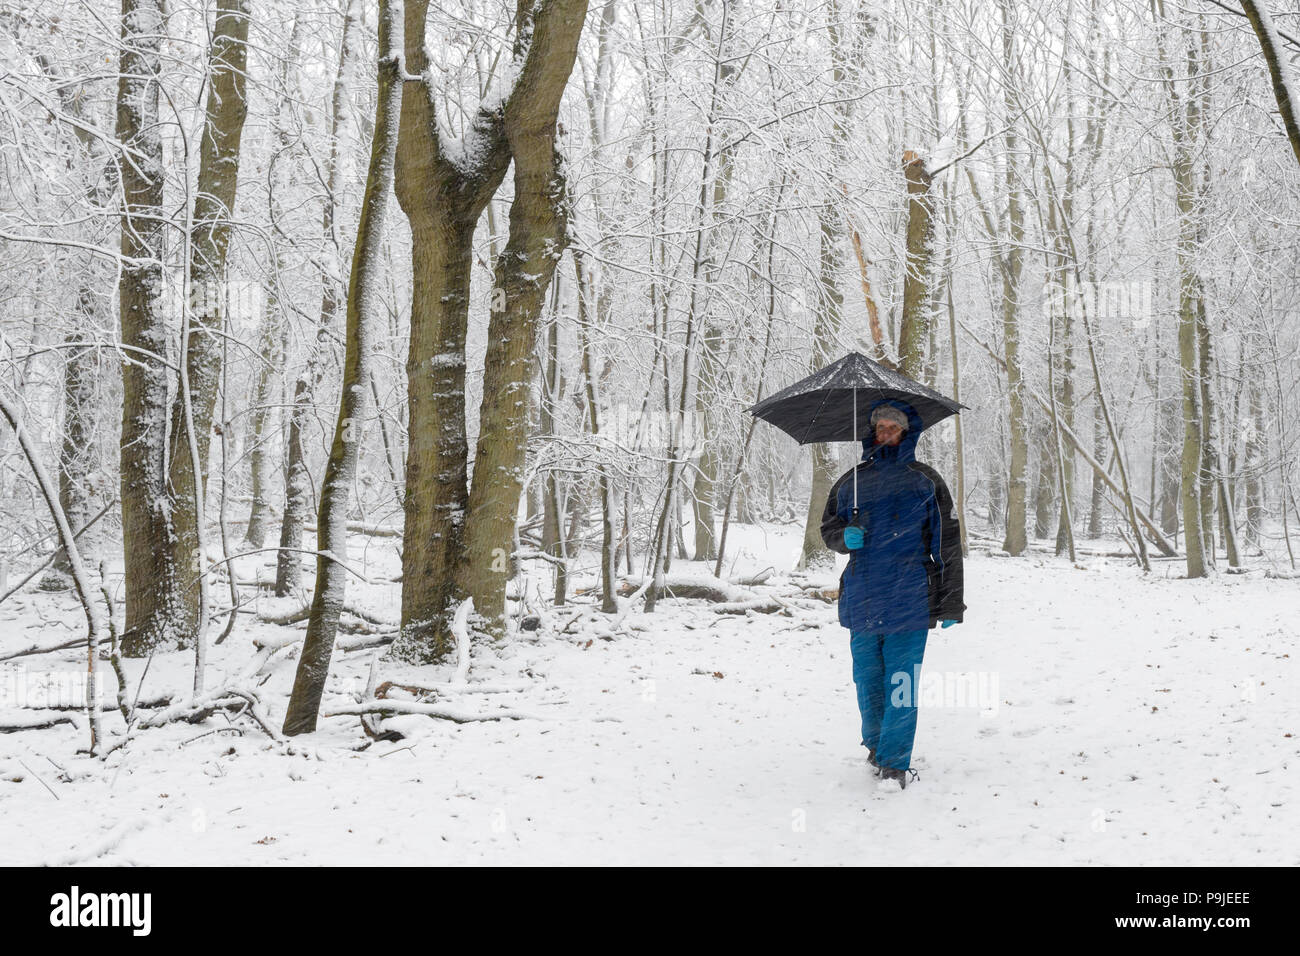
x: 825, y: 395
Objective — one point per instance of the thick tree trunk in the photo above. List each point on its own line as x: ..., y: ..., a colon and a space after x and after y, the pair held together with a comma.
x: 915, y: 328
x: 443, y: 203
x: 365, y: 322
x: 538, y: 237
x: 443, y: 189
x: 214, y: 204
x: 153, y: 593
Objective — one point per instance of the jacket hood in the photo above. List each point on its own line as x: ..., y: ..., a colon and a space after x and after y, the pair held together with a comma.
x: 905, y: 450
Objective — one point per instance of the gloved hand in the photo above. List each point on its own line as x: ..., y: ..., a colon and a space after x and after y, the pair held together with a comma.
x: 949, y: 623
x: 852, y: 538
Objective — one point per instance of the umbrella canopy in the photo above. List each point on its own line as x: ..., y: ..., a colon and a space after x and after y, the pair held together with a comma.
x: 832, y: 403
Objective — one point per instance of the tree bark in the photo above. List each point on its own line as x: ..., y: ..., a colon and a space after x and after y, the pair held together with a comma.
x: 153, y: 596
x: 1283, y: 88
x: 365, y: 322
x: 1188, y: 295
x: 443, y: 188
x: 915, y: 328
x: 1014, y: 542
x: 1254, y: 465
x: 214, y: 204
x: 538, y: 237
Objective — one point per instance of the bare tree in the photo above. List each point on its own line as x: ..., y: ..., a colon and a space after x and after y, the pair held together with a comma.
x: 153, y: 586
x: 364, y: 322
x: 443, y: 187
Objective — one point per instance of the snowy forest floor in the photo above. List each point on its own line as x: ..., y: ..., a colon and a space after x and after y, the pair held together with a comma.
x: 1126, y: 720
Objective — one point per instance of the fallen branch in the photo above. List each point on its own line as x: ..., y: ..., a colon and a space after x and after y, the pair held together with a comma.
x: 38, y: 649
x: 304, y: 612
x: 108, y: 708
x: 43, y: 722
x: 373, y: 530
x: 420, y: 690
x: 727, y: 597
x: 192, y: 711
x: 391, y: 707
x: 365, y: 642
x: 697, y: 587
x: 761, y: 605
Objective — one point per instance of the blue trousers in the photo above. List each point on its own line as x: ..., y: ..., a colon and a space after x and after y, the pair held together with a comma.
x: 887, y: 670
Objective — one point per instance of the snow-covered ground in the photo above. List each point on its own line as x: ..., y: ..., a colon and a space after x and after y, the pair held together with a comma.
x: 1115, y: 719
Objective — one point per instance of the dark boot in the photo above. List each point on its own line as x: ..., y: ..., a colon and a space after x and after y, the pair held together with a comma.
x: 871, y: 759
x: 888, y: 774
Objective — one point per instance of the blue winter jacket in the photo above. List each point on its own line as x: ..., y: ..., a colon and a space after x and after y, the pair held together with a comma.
x: 907, y: 576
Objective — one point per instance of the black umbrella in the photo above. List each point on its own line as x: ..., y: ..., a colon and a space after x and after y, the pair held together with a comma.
x: 828, y: 404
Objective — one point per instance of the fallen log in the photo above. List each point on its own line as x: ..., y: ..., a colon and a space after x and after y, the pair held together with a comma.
x: 393, y: 707
x: 760, y: 605
x: 304, y: 612
x: 372, y: 530
x: 39, y: 649
x: 16, y: 725
x: 363, y: 642
x: 452, y: 687
x: 697, y: 587
x: 727, y: 597
x: 227, y: 698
